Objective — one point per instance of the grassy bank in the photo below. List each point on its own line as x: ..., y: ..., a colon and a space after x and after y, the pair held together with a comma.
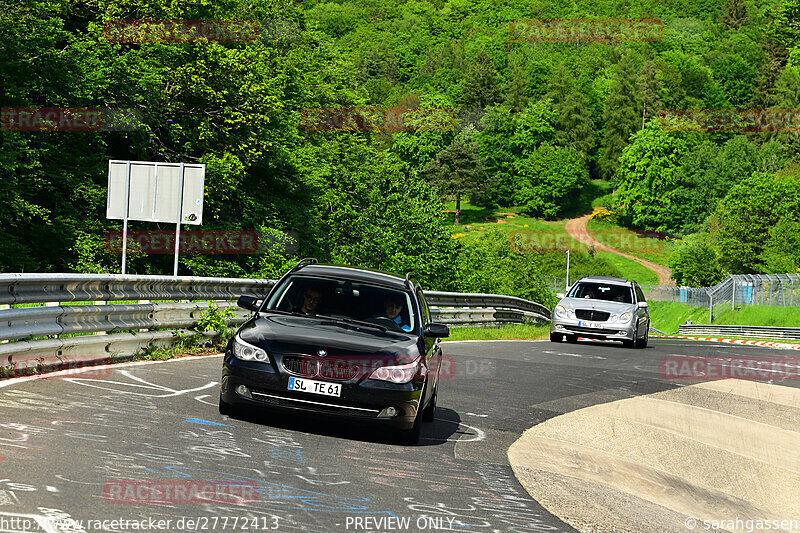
x: 549, y: 240
x: 632, y: 243
x: 668, y: 316
x: 500, y: 333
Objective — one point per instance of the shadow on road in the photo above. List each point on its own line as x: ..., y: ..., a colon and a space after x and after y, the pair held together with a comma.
x: 446, y: 426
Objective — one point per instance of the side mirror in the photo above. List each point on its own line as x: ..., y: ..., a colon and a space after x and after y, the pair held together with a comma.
x: 437, y: 331
x: 248, y: 302
x: 642, y: 305
x: 560, y: 295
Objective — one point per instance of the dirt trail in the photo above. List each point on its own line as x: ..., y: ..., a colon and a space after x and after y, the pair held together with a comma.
x: 576, y: 228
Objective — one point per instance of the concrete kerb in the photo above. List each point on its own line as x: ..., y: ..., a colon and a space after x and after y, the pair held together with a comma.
x: 686, y: 458
x: 747, y: 342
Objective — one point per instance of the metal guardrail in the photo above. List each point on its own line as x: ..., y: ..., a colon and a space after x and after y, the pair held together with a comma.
x: 766, y: 332
x: 40, y: 288
x: 107, y: 330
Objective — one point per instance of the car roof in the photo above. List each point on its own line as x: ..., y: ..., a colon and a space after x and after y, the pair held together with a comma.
x: 353, y: 274
x: 606, y: 279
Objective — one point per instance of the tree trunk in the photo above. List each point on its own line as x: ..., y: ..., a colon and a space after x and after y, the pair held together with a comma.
x: 458, y: 206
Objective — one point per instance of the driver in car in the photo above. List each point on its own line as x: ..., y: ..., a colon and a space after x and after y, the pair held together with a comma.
x: 311, y: 299
x: 392, y: 307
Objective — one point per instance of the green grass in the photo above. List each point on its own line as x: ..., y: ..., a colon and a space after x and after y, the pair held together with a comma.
x: 759, y: 315
x: 500, y: 333
x: 668, y: 316
x: 550, y: 237
x: 629, y: 242
x: 630, y: 269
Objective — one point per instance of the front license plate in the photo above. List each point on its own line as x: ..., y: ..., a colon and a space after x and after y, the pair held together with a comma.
x: 315, y: 387
x: 584, y: 324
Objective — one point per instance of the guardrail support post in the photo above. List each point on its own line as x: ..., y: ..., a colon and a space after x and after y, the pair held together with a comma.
x: 710, y: 308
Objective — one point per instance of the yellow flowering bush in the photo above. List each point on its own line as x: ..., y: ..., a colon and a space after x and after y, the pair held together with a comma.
x: 599, y: 213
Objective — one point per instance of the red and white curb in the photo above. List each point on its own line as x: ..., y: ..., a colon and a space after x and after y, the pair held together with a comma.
x: 765, y: 344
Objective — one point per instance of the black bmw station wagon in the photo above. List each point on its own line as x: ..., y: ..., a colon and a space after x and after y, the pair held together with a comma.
x: 337, y: 341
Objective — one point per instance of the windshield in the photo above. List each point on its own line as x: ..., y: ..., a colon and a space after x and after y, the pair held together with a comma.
x: 345, y: 300
x: 602, y: 291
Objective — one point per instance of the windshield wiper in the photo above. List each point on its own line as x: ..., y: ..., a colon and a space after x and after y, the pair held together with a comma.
x: 282, y: 312
x: 354, y: 321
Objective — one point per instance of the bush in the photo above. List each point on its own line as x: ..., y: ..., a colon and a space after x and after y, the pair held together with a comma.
x: 695, y: 263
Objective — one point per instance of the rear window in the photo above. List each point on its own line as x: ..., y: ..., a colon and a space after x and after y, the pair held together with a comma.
x: 602, y: 291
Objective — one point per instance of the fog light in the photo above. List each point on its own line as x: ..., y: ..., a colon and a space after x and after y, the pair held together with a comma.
x: 387, y: 413
x: 241, y: 390
x: 559, y: 326
x: 622, y: 333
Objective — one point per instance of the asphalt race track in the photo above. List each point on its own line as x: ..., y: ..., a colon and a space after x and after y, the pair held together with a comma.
x: 75, y: 449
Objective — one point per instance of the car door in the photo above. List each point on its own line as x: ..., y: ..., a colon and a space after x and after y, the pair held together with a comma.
x: 433, y: 351
x: 641, y: 312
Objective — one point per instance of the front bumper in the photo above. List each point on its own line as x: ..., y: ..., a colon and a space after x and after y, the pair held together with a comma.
x: 361, y: 399
x: 599, y: 330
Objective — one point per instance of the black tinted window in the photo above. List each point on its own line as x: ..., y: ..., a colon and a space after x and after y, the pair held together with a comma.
x: 344, y: 299
x: 602, y: 291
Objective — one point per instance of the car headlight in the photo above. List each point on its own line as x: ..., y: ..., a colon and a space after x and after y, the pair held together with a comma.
x: 396, y: 374
x: 561, y: 311
x: 624, y: 317
x: 246, y: 351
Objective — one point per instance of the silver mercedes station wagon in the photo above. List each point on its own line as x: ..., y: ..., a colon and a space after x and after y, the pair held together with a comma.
x: 597, y: 307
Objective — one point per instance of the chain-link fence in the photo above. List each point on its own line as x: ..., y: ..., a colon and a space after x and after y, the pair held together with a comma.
x: 734, y: 291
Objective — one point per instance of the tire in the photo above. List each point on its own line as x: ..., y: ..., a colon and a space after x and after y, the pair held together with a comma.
x: 642, y: 343
x: 225, y: 408
x: 572, y: 339
x: 556, y: 337
x: 411, y: 436
x: 430, y: 411
x: 629, y: 344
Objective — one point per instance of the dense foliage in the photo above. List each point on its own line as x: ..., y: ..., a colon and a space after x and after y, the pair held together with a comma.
x: 547, y: 118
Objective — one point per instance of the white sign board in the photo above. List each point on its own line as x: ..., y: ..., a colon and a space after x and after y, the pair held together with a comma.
x: 155, y: 190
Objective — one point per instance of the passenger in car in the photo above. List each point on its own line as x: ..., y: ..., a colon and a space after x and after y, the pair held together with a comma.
x: 311, y: 299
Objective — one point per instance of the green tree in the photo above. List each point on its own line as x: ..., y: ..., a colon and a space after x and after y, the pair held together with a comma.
x: 550, y: 177
x: 735, y: 14
x: 782, y: 251
x: 574, y: 127
x: 621, y: 115
x: 743, y: 219
x: 650, y: 89
x: 646, y: 180
x: 783, y: 27
x: 695, y: 263
x: 458, y: 169
x: 492, y: 266
x: 481, y: 85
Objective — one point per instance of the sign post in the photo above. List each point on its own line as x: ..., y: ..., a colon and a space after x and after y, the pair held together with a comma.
x: 155, y: 192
